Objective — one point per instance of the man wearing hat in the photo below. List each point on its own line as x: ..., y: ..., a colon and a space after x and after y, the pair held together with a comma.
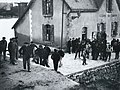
x: 4, y: 46
x: 25, y: 49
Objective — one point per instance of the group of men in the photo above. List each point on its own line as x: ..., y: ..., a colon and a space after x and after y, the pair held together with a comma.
x: 29, y: 50
x: 40, y: 55
x: 80, y: 48
x: 99, y: 48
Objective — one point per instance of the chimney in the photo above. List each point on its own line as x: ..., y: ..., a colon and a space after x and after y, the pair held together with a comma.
x: 21, y: 8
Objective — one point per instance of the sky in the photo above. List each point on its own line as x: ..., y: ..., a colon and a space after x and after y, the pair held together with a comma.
x: 6, y: 24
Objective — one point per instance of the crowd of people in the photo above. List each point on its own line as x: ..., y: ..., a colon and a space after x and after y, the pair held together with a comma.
x: 39, y: 53
x: 98, y: 48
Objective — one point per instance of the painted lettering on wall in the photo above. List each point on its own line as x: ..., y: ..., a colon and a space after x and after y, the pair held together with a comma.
x: 104, y: 15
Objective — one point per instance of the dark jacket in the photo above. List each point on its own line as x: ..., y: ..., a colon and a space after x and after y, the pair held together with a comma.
x: 39, y: 52
x: 4, y: 45
x: 26, y: 51
x: 1, y: 46
x: 55, y: 56
x: 48, y: 49
x: 45, y: 54
x: 10, y: 47
x: 61, y: 53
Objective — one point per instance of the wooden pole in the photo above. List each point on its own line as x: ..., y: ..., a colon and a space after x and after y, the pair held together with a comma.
x: 62, y: 24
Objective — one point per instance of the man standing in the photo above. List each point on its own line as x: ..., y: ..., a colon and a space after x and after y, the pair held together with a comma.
x: 4, y: 46
x: 45, y: 56
x: 56, y: 58
x: 32, y: 47
x: 69, y: 46
x: 38, y: 53
x: 26, y: 55
x: 10, y: 50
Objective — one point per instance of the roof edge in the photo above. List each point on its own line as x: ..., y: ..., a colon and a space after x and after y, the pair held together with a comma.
x: 26, y: 10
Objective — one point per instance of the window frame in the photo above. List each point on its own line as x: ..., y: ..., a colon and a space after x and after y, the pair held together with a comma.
x: 47, y: 6
x: 114, y: 27
x: 48, y: 33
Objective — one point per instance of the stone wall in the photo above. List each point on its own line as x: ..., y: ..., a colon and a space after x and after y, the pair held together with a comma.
x: 110, y: 71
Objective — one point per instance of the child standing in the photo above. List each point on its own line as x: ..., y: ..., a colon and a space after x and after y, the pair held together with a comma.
x: 108, y: 52
x: 84, y: 57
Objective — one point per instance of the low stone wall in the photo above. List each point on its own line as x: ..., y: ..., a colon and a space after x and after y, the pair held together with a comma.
x: 110, y: 71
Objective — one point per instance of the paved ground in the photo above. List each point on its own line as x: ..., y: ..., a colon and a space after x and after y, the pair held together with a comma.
x: 13, y: 77
x: 71, y: 66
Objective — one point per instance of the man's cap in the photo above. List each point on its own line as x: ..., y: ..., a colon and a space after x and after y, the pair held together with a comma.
x: 4, y: 37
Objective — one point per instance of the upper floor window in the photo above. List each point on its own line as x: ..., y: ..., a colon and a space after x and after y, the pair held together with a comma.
x: 114, y: 29
x: 109, y: 6
x: 47, y: 6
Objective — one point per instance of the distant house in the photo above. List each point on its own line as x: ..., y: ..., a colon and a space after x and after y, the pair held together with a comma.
x: 53, y: 22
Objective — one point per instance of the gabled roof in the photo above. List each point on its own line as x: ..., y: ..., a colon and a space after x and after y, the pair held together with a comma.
x: 27, y: 9
x: 87, y: 5
x: 82, y: 4
x: 75, y: 5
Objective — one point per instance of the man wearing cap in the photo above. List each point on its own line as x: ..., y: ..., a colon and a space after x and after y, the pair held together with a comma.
x: 56, y: 58
x: 25, y: 49
x: 4, y: 46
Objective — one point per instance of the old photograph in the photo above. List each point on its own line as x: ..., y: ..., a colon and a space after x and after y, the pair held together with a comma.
x: 59, y: 44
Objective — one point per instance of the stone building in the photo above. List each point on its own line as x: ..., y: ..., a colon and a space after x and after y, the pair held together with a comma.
x: 53, y: 22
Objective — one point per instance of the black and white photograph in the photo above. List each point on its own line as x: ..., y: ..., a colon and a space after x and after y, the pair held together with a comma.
x: 59, y: 44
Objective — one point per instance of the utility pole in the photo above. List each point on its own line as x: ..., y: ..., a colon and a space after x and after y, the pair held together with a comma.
x: 62, y: 24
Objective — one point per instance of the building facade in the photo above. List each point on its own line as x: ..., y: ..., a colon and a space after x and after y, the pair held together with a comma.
x: 53, y: 22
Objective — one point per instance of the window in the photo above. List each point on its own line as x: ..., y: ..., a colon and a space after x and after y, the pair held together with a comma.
x: 101, y: 27
x: 84, y: 33
x: 114, y: 29
x: 47, y: 7
x: 48, y: 32
x: 109, y: 6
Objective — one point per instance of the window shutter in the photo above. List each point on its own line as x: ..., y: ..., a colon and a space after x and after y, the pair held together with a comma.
x: 44, y: 7
x: 51, y: 8
x: 44, y: 32
x: 52, y: 33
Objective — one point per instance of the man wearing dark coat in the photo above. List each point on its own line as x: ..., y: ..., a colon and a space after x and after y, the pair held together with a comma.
x: 26, y: 49
x: 73, y: 45
x: 10, y: 50
x: 69, y: 46
x: 116, y: 49
x: 32, y: 45
x: 77, y: 52
x: 39, y: 52
x: 4, y: 46
x: 56, y: 58
x: 45, y: 56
